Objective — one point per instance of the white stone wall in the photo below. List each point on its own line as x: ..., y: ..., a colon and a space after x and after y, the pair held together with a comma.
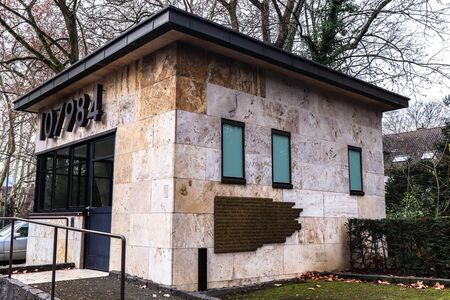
x: 322, y: 125
x: 143, y: 166
x: 167, y: 168
x: 40, y: 243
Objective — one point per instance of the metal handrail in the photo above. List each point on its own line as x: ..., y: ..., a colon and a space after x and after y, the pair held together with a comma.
x: 67, y: 232
x: 55, y: 243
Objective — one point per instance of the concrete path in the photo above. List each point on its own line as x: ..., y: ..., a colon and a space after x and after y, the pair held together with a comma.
x: 61, y: 275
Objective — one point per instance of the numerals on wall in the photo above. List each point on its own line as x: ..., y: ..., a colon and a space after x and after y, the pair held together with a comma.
x: 72, y: 112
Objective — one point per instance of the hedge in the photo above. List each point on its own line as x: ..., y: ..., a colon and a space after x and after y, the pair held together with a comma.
x: 418, y: 247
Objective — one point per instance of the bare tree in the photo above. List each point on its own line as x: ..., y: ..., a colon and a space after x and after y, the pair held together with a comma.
x: 381, y: 41
x: 420, y: 114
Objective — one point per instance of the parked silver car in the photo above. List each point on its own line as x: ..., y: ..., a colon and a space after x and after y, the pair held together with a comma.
x: 20, y: 241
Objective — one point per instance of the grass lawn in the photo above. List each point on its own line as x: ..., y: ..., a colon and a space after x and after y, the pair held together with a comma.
x: 342, y: 290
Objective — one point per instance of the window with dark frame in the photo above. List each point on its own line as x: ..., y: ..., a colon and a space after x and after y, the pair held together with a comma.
x: 355, y: 171
x: 233, y: 155
x: 281, y: 159
x: 76, y: 176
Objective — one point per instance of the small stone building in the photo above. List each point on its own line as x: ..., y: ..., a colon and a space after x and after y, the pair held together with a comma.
x: 222, y: 160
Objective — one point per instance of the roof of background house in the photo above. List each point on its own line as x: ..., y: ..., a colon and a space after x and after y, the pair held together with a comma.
x: 174, y: 19
x: 410, y: 145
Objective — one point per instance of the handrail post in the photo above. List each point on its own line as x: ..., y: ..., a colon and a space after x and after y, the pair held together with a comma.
x: 67, y: 241
x: 11, y: 249
x: 55, y: 245
x: 122, y: 270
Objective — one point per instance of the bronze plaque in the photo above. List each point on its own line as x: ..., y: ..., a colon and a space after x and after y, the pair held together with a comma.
x: 245, y: 224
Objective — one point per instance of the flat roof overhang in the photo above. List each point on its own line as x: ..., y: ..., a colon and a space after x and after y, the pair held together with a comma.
x: 171, y: 24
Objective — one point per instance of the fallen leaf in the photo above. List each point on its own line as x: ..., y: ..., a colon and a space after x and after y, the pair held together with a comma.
x: 438, y: 286
x: 166, y: 295
x: 277, y: 284
x: 312, y: 289
x: 317, y: 285
x: 419, y: 285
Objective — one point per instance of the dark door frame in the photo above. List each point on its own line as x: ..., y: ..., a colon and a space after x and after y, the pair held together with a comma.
x: 90, y: 185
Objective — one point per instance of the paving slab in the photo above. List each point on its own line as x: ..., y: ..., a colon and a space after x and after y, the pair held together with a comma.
x: 104, y: 288
x: 61, y: 275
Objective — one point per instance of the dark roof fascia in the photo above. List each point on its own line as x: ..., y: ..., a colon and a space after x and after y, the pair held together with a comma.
x: 171, y: 18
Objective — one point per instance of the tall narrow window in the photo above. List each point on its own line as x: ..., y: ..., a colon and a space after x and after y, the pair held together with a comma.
x: 281, y: 159
x: 233, y: 167
x: 355, y: 170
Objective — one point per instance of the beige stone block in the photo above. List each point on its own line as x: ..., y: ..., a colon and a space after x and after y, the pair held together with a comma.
x: 190, y: 162
x: 134, y: 137
x: 163, y: 158
x: 185, y: 262
x: 142, y: 166
x: 238, y: 75
x: 124, y: 110
x: 151, y: 230
x: 373, y: 184
x: 140, y: 197
x: 192, y: 61
x: 232, y: 104
x: 335, y: 230
x: 193, y: 230
x: 220, y: 266
x: 303, y: 258
x: 160, y: 265
x: 157, y: 98
x: 331, y: 178
x: 258, y: 140
x: 313, y: 231
x: 338, y: 257
x: 293, y: 239
x: 40, y: 250
x: 120, y: 224
x: 310, y: 201
x: 194, y: 196
x: 221, y: 102
x: 373, y: 161
x: 290, y: 91
x: 162, y: 196
x: 340, y: 205
x: 158, y: 66
x: 123, y: 164
x: 250, y: 190
x: 330, y: 104
x: 213, y: 164
x: 121, y: 198
x: 198, y: 130
x: 137, y: 258
x: 191, y: 95
x: 266, y: 261
x: 115, y: 256
x: 319, y: 152
x: 164, y: 129
x: 258, y: 169
x: 371, y: 207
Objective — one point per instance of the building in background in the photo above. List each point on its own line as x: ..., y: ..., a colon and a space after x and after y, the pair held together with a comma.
x: 223, y: 160
x: 411, y: 147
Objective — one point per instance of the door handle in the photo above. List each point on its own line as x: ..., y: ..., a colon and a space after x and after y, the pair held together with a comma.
x: 88, y: 210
